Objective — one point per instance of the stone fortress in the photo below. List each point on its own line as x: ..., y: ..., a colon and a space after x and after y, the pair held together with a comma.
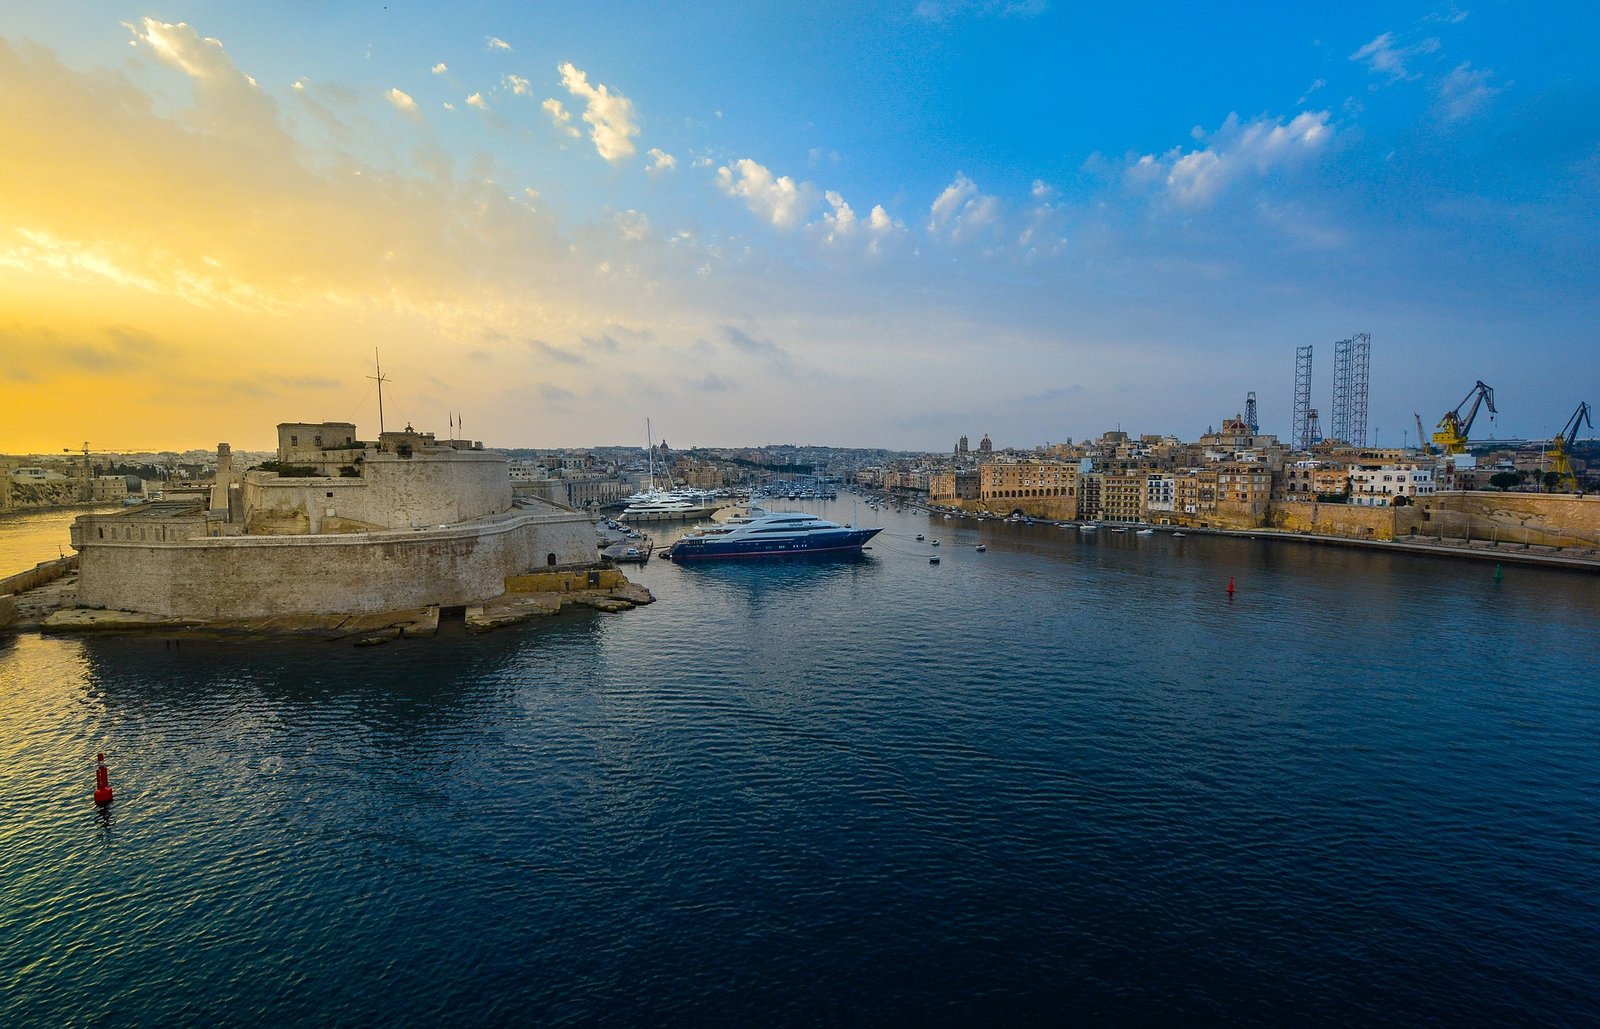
x: 334, y: 526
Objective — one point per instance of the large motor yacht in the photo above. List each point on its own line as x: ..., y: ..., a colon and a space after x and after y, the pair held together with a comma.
x: 668, y: 506
x: 771, y: 534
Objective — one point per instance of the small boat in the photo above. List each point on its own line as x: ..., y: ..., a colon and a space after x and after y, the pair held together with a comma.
x: 919, y: 537
x: 1088, y: 527
x: 1177, y: 535
x: 1119, y: 530
x: 933, y: 560
x: 981, y: 548
x: 933, y: 543
x: 1145, y: 532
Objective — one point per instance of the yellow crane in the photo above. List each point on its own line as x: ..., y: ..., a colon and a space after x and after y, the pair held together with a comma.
x: 1561, y: 448
x: 1451, y: 435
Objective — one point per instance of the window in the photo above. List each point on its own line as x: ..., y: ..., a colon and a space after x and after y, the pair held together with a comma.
x: 294, y: 441
x: 550, y: 559
x: 330, y: 494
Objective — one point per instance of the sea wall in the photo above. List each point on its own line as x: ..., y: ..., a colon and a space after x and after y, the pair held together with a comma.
x: 243, y: 577
x: 1063, y: 509
x: 38, y: 575
x: 1545, y: 519
x: 566, y: 581
x: 1355, y: 522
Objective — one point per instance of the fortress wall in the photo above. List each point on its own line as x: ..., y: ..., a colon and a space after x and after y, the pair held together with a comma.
x: 1546, y: 519
x: 1373, y: 523
x: 242, y: 577
x: 431, y: 488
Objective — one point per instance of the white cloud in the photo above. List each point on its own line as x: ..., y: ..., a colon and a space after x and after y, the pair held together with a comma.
x: 1382, y: 57
x: 561, y: 117
x: 440, y: 69
x: 496, y: 43
x: 841, y: 220
x: 227, y: 101
x: 632, y: 225
x: 1198, y: 177
x: 1316, y: 85
x: 961, y: 212
x: 1465, y: 92
x: 661, y: 161
x: 476, y: 100
x: 840, y: 223
x: 403, y: 103
x: 1040, y: 234
x: 779, y: 200
x: 610, y: 115
x: 518, y: 85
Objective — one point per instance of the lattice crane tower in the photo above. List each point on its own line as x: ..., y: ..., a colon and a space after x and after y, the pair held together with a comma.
x: 1302, y: 398
x: 1351, y: 360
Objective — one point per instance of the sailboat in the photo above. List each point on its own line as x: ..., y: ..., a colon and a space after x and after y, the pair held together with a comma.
x: 676, y: 505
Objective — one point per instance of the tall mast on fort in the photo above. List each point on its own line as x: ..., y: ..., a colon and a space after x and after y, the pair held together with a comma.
x: 377, y: 364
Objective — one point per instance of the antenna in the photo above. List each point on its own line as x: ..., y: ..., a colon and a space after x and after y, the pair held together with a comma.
x: 381, y: 380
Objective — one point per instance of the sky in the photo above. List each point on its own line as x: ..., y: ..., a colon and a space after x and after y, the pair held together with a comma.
x: 847, y: 224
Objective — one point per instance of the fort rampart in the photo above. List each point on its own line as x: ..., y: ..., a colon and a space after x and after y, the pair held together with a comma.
x: 243, y: 577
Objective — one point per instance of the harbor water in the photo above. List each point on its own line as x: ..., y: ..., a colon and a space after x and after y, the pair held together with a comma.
x: 1068, y: 778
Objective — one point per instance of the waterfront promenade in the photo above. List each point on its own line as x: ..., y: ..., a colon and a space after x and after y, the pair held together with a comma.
x: 1570, y: 558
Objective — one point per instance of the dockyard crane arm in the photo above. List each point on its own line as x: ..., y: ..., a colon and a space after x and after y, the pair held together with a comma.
x: 1485, y: 397
x: 1481, y: 394
x: 1579, y: 417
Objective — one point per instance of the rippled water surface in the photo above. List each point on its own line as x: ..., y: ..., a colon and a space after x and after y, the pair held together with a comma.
x: 1063, y: 779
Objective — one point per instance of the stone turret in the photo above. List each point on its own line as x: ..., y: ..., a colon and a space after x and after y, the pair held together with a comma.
x: 221, y: 486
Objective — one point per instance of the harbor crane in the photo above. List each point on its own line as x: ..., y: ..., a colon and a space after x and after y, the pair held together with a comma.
x: 1561, y: 448
x: 1422, y: 437
x: 88, y: 468
x: 1451, y: 435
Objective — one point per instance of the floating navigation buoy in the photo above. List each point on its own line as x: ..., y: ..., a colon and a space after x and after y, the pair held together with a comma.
x: 1230, y: 585
x: 102, y: 782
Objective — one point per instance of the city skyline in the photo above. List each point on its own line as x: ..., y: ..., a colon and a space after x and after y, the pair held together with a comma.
x: 865, y: 228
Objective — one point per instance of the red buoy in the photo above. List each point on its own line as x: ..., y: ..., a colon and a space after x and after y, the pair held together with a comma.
x: 1230, y: 585
x: 102, y: 782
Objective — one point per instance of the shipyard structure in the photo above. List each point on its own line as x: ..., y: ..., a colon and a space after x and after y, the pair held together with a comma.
x: 335, y: 525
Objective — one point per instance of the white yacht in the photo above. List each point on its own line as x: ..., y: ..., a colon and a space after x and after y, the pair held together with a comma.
x: 668, y: 505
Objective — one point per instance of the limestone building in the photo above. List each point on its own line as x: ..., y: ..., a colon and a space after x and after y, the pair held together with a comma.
x: 334, y: 525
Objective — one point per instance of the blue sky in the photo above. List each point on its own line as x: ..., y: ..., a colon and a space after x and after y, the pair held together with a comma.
x: 881, y: 224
